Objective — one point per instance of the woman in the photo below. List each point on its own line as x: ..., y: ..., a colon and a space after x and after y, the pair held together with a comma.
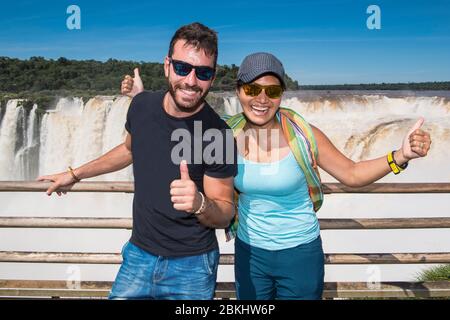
x: 278, y: 249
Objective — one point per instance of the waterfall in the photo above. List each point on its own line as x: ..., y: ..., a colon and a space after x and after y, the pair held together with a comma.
x: 26, y: 159
x: 75, y: 133
x: 361, y: 125
x: 368, y: 126
x: 58, y: 136
x: 232, y: 105
x: 115, y: 133
x: 8, y: 140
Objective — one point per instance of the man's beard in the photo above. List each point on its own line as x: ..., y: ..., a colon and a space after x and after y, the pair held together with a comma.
x: 191, y: 107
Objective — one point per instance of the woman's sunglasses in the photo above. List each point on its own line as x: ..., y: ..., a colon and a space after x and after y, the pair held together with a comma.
x: 182, y: 69
x: 253, y: 90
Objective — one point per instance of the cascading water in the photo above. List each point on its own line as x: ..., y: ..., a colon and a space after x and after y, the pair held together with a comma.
x: 368, y: 126
x: 26, y: 159
x: 71, y: 134
x: 8, y: 139
x: 362, y: 126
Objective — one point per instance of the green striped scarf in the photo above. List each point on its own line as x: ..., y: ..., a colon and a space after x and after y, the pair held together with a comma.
x: 302, y: 143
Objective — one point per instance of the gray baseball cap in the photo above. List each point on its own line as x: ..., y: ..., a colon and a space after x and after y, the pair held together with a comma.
x: 257, y: 64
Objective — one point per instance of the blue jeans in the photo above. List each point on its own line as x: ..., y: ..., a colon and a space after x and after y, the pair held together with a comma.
x: 294, y: 273
x: 145, y: 276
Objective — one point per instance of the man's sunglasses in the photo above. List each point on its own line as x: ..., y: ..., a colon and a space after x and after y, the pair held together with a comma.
x: 182, y: 69
x: 253, y: 90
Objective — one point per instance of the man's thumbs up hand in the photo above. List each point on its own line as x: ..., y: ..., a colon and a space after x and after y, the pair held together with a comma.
x: 184, y: 171
x: 184, y: 193
x: 132, y: 86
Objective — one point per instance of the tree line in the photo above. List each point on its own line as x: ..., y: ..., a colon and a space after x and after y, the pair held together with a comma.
x: 38, y: 74
x: 42, y: 81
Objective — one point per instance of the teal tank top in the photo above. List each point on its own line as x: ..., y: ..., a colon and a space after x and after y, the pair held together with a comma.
x: 275, y: 210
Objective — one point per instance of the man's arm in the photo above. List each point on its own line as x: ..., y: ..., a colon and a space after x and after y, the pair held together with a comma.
x: 219, y: 202
x: 114, y: 160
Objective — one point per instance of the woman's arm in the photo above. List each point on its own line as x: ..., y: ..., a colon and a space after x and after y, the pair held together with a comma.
x: 357, y: 174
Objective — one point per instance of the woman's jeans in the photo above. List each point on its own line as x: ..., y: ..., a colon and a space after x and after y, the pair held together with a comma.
x: 146, y: 276
x: 294, y: 273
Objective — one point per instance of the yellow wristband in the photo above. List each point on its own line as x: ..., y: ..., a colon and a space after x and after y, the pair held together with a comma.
x: 390, y: 158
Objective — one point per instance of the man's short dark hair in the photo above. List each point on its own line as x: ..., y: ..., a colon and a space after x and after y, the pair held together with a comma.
x: 199, y: 36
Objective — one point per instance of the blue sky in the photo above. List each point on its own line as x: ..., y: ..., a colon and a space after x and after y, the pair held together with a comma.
x: 319, y: 42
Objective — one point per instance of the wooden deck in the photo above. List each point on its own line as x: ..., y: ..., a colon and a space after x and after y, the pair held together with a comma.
x: 225, y: 290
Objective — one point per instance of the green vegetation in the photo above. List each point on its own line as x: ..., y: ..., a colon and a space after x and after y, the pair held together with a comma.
x: 45, y: 100
x: 93, y: 77
x: 89, y: 78
x: 436, y: 273
x: 42, y: 81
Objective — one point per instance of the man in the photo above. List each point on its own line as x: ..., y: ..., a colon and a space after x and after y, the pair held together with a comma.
x: 173, y: 251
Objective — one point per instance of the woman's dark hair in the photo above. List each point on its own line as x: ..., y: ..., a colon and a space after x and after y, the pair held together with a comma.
x: 239, y: 84
x: 198, y: 36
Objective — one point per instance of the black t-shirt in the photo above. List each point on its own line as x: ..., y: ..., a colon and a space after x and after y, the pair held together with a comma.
x: 157, y: 227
